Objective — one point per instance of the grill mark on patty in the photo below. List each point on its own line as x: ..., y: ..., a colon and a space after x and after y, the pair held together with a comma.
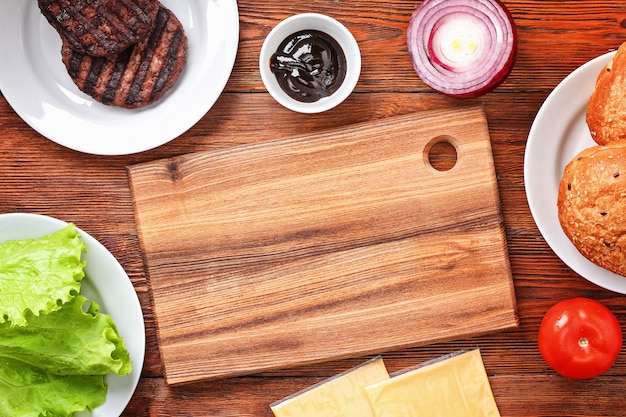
x: 154, y: 41
x: 138, y: 10
x: 125, y: 14
x: 170, y: 62
x: 116, y: 76
x: 80, y: 30
x: 94, y: 74
x: 73, y: 67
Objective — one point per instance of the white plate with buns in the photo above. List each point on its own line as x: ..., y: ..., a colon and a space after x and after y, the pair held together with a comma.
x: 558, y: 133
x: 36, y: 83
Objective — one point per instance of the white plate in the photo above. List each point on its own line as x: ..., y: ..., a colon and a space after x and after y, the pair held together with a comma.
x: 106, y: 282
x: 36, y: 84
x: 557, y: 135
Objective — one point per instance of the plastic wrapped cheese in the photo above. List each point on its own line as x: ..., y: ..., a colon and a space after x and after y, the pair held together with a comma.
x: 456, y: 386
x: 340, y: 396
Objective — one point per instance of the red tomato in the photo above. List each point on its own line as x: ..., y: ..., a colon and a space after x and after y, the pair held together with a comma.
x: 580, y: 338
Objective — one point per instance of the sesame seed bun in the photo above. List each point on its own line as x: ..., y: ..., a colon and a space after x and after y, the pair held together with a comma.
x: 592, y: 204
x: 606, y: 109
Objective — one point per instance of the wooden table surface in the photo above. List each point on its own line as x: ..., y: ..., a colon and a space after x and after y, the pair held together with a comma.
x: 555, y: 37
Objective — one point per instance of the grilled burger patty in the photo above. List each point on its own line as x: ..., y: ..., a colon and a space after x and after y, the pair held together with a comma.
x: 137, y: 76
x: 101, y: 27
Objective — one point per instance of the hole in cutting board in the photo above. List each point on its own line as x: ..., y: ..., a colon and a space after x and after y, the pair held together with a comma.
x: 441, y: 153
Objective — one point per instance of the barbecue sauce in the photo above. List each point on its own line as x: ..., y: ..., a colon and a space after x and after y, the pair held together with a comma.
x: 309, y: 65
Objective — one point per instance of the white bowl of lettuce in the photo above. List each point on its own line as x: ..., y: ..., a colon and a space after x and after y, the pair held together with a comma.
x: 72, y: 335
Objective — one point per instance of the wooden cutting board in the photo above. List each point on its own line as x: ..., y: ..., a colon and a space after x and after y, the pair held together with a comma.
x: 330, y: 245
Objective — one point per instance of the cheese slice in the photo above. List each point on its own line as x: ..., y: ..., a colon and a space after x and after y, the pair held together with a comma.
x: 454, y: 387
x: 339, y: 396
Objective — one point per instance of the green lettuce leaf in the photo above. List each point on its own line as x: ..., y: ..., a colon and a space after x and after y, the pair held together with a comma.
x: 28, y: 391
x: 69, y: 341
x: 39, y: 275
x: 55, y: 345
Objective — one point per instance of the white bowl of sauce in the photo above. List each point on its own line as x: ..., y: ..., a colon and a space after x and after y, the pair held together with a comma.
x: 310, y: 63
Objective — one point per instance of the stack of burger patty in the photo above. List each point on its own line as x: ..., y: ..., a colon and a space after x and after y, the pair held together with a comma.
x: 125, y: 53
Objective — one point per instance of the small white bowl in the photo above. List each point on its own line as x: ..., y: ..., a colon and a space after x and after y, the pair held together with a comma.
x: 322, y: 23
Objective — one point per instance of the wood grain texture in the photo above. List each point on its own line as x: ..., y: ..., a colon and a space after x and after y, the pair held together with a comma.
x: 324, y: 246
x: 554, y: 38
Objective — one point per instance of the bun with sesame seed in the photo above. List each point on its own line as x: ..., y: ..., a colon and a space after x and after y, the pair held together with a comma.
x: 592, y: 204
x: 606, y: 109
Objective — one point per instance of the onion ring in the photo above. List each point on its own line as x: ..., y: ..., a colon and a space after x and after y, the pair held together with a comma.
x: 462, y: 48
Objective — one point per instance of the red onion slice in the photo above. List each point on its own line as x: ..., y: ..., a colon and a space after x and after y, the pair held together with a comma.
x: 462, y: 48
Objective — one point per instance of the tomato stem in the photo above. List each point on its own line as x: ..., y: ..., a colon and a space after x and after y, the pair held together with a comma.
x: 583, y: 342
